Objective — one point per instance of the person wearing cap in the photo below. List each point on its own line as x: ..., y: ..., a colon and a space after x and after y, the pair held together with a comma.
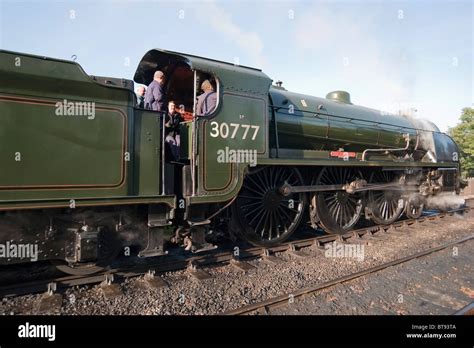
x: 155, y: 98
x: 207, y: 101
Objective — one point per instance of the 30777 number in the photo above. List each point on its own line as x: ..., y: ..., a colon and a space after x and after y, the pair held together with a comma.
x: 231, y: 130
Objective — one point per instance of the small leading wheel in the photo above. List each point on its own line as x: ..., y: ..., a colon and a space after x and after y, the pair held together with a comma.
x: 336, y: 211
x: 413, y: 210
x: 265, y: 216
x: 386, y: 205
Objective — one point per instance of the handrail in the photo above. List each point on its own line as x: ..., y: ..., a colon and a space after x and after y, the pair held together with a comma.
x: 194, y: 139
x: 275, y: 126
x: 163, y: 144
x: 407, y: 139
x: 353, y: 119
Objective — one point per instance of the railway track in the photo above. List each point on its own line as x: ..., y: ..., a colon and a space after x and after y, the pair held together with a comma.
x: 195, y: 263
x: 467, y: 310
x: 267, y: 305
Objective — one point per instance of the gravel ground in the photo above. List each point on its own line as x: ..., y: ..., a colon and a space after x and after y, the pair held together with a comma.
x: 437, y: 284
x: 230, y: 288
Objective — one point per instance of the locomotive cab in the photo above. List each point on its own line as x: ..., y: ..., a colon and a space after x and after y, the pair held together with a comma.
x: 182, y: 85
x: 238, y: 123
x: 182, y: 80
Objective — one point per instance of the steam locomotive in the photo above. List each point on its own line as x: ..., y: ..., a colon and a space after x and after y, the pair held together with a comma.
x: 85, y: 177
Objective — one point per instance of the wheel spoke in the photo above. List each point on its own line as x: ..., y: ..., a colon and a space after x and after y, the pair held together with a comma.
x: 250, y: 204
x: 250, y: 197
x: 347, y: 215
x: 277, y: 175
x: 337, y: 211
x: 285, y: 213
x: 261, y: 180
x: 264, y: 219
x: 253, y: 190
x: 384, y: 204
x: 264, y: 214
x: 261, y: 211
x: 256, y: 185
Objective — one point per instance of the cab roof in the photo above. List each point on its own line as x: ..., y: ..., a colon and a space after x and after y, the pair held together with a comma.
x: 231, y: 76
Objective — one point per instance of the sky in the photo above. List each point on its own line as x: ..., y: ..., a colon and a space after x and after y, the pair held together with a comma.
x: 410, y: 56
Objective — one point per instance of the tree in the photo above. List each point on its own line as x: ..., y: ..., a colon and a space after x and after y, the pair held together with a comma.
x: 463, y: 135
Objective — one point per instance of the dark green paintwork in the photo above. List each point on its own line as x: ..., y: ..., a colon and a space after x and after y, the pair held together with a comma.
x: 318, y: 123
x: 113, y: 158
x: 217, y: 176
x: 339, y: 96
x: 60, y: 150
x: 313, y: 130
x: 93, y: 149
x: 147, y: 153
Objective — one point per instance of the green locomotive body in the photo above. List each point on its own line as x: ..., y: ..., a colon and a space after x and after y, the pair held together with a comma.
x: 85, y: 175
x: 66, y: 135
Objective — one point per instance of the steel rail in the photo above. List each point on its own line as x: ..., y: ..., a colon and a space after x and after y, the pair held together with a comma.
x: 171, y: 263
x: 283, y: 299
x: 467, y: 310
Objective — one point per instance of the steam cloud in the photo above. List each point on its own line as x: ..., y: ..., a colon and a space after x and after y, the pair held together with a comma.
x: 445, y: 201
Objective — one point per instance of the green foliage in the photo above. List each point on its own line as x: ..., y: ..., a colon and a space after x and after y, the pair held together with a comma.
x: 463, y: 134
